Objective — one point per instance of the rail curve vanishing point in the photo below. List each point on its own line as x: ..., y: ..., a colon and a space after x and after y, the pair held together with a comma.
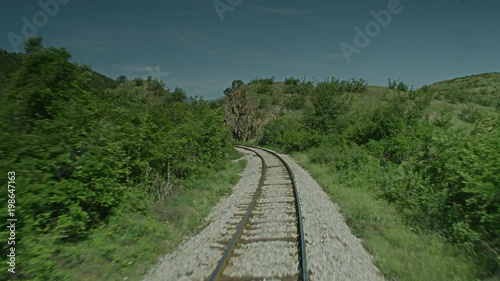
x: 268, y: 243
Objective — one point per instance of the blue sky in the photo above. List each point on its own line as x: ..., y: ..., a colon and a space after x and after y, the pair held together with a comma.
x: 186, y: 43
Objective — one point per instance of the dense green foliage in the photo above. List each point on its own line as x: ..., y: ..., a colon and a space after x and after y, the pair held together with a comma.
x: 9, y: 64
x: 121, y: 79
x: 439, y: 178
x: 397, y: 85
x: 350, y: 178
x: 264, y: 81
x: 287, y: 134
x: 481, y: 89
x: 296, y: 87
x: 83, y: 155
x: 330, y: 102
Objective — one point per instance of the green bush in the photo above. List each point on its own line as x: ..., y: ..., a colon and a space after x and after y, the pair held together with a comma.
x: 121, y: 79
x: 397, y: 85
x: 138, y: 81
x: 425, y: 88
x: 330, y: 103
x: 292, y: 81
x: 295, y: 102
x: 354, y: 86
x: 264, y: 103
x: 264, y: 89
x: 305, y: 88
x: 264, y: 81
x: 179, y: 95
x: 470, y: 114
x: 155, y: 85
x: 288, y: 135
x: 444, y: 118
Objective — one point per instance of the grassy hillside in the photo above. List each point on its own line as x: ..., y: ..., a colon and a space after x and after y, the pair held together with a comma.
x: 481, y: 89
x: 472, y: 83
x: 463, y: 99
x: 9, y: 64
x: 415, y: 172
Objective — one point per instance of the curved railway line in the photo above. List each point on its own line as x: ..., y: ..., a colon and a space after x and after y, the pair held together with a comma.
x: 268, y: 240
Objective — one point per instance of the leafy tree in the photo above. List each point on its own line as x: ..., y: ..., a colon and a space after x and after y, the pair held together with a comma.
x: 265, y: 81
x: 329, y: 105
x: 397, y: 85
x: 425, y: 88
x: 155, y: 85
x: 32, y: 45
x: 9, y: 64
x: 292, y: 81
x: 264, y: 89
x: 295, y: 102
x: 179, y: 95
x: 138, y: 81
x: 392, y: 84
x: 43, y: 85
x: 236, y: 84
x: 291, y: 85
x: 121, y: 79
x: 286, y: 134
x: 470, y: 114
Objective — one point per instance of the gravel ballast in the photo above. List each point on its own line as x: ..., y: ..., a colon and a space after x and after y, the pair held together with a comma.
x: 333, y: 253
x: 268, y: 248
x: 196, y: 257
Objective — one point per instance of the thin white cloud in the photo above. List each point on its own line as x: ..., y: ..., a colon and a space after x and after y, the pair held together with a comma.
x: 156, y: 71
x: 144, y: 70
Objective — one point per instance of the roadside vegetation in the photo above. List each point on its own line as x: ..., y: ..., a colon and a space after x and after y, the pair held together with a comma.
x: 131, y: 244
x: 101, y: 166
x: 401, y: 251
x: 113, y: 173
x: 416, y: 173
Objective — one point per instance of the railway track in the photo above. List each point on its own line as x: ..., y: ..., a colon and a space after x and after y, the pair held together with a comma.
x: 268, y: 240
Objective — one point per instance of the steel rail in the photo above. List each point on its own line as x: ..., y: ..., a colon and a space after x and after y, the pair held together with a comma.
x: 302, y: 244
x: 216, y: 274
